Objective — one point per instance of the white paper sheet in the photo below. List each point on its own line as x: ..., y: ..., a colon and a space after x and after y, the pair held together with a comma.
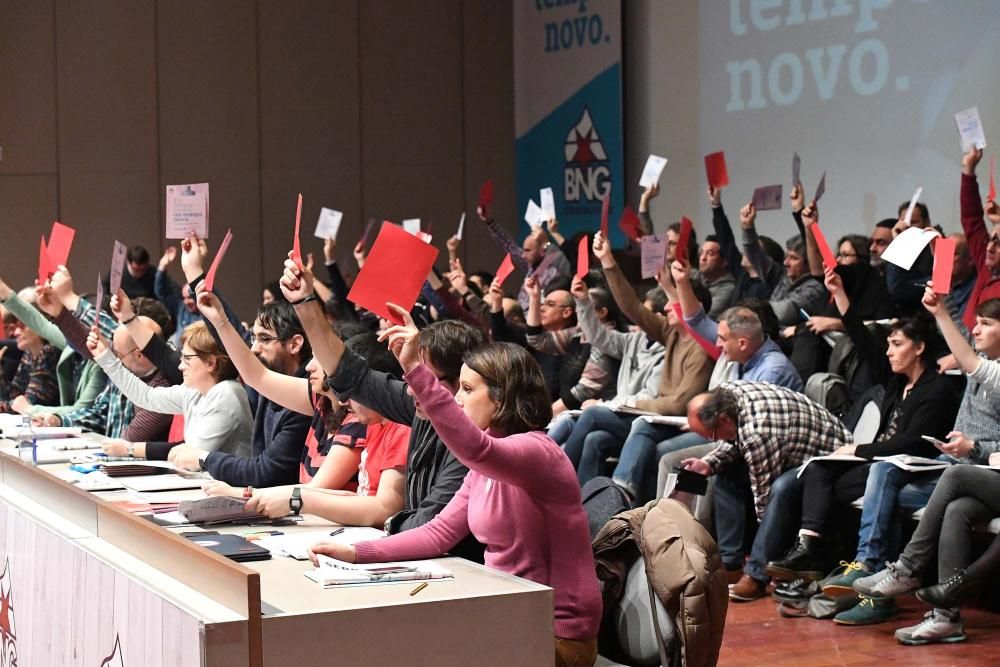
x: 328, y: 224
x: 654, y: 253
x: 970, y: 129
x: 652, y: 171
x: 548, y: 204
x: 187, y: 210
x: 533, y: 216
x: 905, y: 248
x: 412, y: 225
x: 461, y: 227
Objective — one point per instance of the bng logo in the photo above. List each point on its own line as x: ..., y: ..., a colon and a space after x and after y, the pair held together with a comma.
x: 587, y: 175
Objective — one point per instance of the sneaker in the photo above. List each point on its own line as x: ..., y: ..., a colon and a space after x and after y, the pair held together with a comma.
x: 948, y: 594
x: 842, y: 583
x: 799, y: 590
x: 747, y: 589
x: 937, y: 627
x: 894, y: 580
x: 803, y: 561
x: 868, y: 612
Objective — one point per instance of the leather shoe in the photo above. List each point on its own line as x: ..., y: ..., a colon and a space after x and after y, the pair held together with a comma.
x: 949, y: 594
x: 747, y: 589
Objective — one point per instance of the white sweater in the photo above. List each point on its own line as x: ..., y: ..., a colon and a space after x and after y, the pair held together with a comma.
x: 217, y: 421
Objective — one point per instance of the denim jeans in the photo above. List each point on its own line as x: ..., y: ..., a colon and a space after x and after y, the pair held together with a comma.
x: 597, y: 434
x: 562, y: 426
x: 780, y: 524
x: 636, y: 469
x: 889, y: 489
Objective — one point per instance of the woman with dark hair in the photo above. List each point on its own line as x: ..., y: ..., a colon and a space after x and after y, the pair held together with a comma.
x: 918, y: 401
x: 521, y: 497
x: 853, y: 249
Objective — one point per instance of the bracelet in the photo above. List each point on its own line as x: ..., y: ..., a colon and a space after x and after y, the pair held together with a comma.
x: 220, y: 324
x: 130, y: 320
x: 311, y: 297
x: 248, y: 492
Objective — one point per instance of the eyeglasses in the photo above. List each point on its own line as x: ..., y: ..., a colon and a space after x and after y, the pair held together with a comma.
x: 264, y: 339
x: 552, y: 304
x: 188, y: 357
x: 122, y: 355
x: 847, y: 254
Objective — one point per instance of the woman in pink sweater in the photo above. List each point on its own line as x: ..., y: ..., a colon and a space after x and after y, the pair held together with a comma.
x: 521, y: 497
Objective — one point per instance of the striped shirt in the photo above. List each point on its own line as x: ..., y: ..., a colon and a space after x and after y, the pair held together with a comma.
x: 35, y: 379
x: 777, y: 429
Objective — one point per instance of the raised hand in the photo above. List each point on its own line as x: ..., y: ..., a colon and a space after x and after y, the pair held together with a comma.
x: 992, y: 211
x: 747, y: 216
x: 832, y: 280
x: 46, y: 299
x: 971, y: 160
x: 169, y: 255
x: 359, y: 254
x: 797, y: 198
x: 932, y: 300
x: 210, y: 307
x: 714, y: 196
x: 494, y: 297
x: 96, y: 343
x: 402, y: 339
x: 330, y: 250
x: 457, y: 278
x: 602, y: 250
x: 681, y: 271
x: 62, y: 287
x: 296, y: 282
x: 579, y: 288
x: 121, y: 307
x: 810, y: 215
x: 533, y: 289
x: 194, y: 251
x: 648, y: 194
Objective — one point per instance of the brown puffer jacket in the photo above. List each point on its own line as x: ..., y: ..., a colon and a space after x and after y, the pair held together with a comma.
x: 683, y: 566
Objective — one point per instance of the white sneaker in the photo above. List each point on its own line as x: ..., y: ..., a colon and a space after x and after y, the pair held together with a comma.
x: 937, y: 627
x: 894, y: 580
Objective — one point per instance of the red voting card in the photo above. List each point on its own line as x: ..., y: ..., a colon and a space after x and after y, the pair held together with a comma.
x: 44, y: 272
x: 486, y: 195
x: 715, y: 167
x: 506, y: 268
x: 681, y: 254
x: 60, y: 242
x: 296, y: 250
x: 944, y: 260
x: 605, y: 206
x: 395, y: 270
x: 829, y: 259
x: 583, y: 257
x: 992, y: 195
x: 710, y: 349
x: 629, y: 223
x: 223, y: 247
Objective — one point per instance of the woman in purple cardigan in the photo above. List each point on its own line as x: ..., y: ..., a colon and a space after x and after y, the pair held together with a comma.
x: 521, y: 497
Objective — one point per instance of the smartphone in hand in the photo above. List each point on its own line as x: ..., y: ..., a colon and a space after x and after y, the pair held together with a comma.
x: 934, y: 441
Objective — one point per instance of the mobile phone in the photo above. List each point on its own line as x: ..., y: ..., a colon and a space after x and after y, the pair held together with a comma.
x: 934, y: 441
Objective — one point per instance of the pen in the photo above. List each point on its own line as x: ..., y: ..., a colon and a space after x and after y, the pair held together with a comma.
x: 419, y: 588
x: 337, y: 532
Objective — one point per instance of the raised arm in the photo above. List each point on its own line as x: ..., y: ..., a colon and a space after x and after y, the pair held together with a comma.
x: 297, y: 286
x: 32, y: 319
x: 966, y: 357
x: 653, y: 324
x: 810, y: 217
x: 608, y: 341
x: 724, y: 233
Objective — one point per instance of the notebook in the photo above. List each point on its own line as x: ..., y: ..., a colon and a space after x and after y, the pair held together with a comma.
x: 333, y: 573
x: 234, y: 547
x: 164, y: 482
x: 217, y: 509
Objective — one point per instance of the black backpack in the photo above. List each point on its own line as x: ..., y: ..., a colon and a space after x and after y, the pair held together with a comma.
x: 602, y: 499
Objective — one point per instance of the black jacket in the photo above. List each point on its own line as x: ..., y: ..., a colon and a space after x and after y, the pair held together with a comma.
x: 433, y: 474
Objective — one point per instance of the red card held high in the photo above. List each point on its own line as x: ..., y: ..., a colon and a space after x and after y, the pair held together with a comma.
x: 506, y: 268
x: 715, y: 167
x: 223, y: 247
x: 486, y: 195
x: 992, y: 195
x: 629, y: 223
x: 395, y: 270
x: 583, y: 257
x: 605, y: 208
x: 829, y: 259
x: 60, y: 242
x: 296, y: 249
x: 44, y: 273
x: 681, y: 254
x: 944, y: 261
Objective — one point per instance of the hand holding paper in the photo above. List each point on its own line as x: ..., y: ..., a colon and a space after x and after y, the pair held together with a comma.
x: 548, y: 203
x: 328, y: 224
x: 506, y: 268
x: 652, y: 171
x: 767, y: 198
x: 582, y: 258
x: 715, y: 167
x: 944, y: 261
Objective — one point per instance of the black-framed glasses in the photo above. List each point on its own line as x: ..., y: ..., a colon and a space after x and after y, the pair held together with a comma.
x: 264, y: 338
x: 188, y: 357
x: 122, y: 355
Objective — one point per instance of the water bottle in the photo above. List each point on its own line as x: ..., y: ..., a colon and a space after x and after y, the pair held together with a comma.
x: 26, y: 441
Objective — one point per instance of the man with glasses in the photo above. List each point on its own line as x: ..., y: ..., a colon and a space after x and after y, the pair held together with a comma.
x: 983, y: 242
x: 277, y: 445
x: 762, y: 431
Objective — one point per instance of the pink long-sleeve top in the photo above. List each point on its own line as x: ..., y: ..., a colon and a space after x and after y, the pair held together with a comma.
x: 521, y: 499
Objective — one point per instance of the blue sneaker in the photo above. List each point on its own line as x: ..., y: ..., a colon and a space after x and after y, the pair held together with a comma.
x: 868, y: 612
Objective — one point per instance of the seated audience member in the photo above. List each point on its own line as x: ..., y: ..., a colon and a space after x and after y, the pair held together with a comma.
x: 981, y: 369
x: 906, y: 286
x: 521, y: 496
x: 983, y: 243
x: 673, y: 233
x: 433, y: 474
x: 585, y: 372
x: 138, y: 278
x: 215, y: 408
x: 279, y: 434
x: 35, y: 380
x: 749, y: 283
x: 798, y: 289
x: 918, y: 402
x: 79, y: 380
x: 715, y: 274
x: 880, y: 239
x: 555, y: 315
x: 639, y: 358
x: 271, y: 293
x: 747, y: 353
x: 974, y: 437
x: 763, y: 431
x: 853, y: 249
x: 10, y: 356
x: 378, y: 477
x: 685, y: 373
x: 178, y: 300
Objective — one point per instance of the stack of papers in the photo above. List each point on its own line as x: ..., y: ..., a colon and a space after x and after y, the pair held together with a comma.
x: 216, y: 509
x: 914, y: 463
x: 296, y: 545
x: 131, y: 468
x: 11, y: 428
x: 333, y: 573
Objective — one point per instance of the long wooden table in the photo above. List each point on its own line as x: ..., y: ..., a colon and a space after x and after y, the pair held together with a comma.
x: 85, y: 582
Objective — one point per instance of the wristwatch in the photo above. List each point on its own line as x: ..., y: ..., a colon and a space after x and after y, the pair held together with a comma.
x: 202, y: 457
x: 295, y: 502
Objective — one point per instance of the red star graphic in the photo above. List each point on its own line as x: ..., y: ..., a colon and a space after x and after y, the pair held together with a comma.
x: 583, y: 152
x: 5, y: 610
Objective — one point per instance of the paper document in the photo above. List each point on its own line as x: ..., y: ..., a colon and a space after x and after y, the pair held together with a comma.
x: 548, y: 204
x: 654, y: 254
x: 652, y: 171
x: 187, y: 210
x: 412, y: 225
x: 914, y: 463
x: 296, y: 545
x: 913, y: 203
x: 905, y: 248
x: 332, y: 572
x: 669, y: 420
x: 970, y: 129
x: 533, y: 215
x: 831, y: 457
x: 328, y: 224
